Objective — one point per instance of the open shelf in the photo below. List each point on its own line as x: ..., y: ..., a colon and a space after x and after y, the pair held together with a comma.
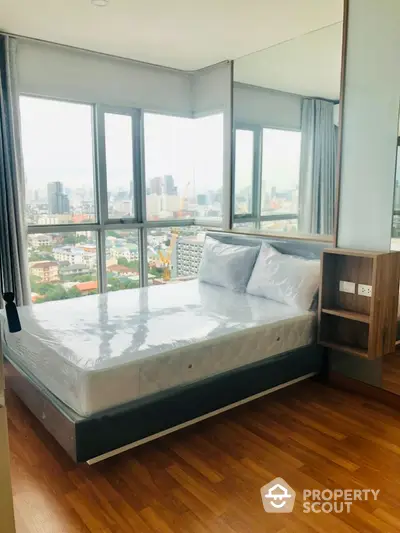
x: 351, y: 315
x: 345, y: 348
x: 352, y: 322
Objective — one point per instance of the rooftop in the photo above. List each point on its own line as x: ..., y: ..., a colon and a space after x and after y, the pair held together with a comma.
x: 44, y: 264
x: 87, y: 286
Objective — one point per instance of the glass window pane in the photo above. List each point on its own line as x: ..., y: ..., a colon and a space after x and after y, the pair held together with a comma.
x: 174, y: 254
x: 57, y: 144
x: 244, y: 166
x: 119, y: 165
x: 169, y: 168
x: 122, y: 261
x: 245, y: 225
x: 208, y: 143
x: 184, y: 166
x: 280, y: 172
x: 275, y: 226
x: 62, y: 265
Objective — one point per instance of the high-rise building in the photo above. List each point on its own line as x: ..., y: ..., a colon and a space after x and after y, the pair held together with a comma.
x: 156, y: 186
x: 169, y: 185
x: 58, y: 202
x: 201, y: 199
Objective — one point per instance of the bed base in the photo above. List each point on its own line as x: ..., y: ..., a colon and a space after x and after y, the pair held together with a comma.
x: 116, y: 430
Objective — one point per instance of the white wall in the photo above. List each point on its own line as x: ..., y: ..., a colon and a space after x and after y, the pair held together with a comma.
x: 212, y: 93
x: 275, y: 109
x: 62, y: 72
x: 371, y: 105
x: 209, y: 89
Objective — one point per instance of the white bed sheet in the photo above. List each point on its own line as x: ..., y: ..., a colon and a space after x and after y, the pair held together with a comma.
x: 100, y: 351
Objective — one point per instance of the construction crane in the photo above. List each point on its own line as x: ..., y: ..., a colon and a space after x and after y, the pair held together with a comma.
x: 165, y: 257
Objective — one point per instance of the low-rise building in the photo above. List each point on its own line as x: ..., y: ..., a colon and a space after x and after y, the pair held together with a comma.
x: 47, y: 271
x: 87, y: 287
x: 121, y: 270
x: 72, y: 270
x: 38, y: 240
x: 76, y: 256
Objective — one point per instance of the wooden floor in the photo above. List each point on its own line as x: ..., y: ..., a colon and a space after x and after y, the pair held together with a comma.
x: 207, y: 478
x: 391, y: 372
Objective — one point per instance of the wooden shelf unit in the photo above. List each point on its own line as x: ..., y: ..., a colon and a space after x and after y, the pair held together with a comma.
x: 359, y: 325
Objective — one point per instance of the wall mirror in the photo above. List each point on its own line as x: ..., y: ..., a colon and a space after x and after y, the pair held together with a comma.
x: 391, y: 363
x: 285, y: 138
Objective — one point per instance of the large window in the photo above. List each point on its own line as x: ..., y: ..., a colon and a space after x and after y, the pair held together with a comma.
x: 93, y: 200
x: 266, y: 178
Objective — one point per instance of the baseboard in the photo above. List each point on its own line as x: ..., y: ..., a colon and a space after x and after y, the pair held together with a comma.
x: 340, y: 381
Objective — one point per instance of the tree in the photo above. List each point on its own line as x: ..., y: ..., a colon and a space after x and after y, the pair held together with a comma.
x: 44, y: 256
x: 134, y: 265
x: 156, y: 271
x: 69, y: 239
x: 73, y: 292
x: 123, y: 261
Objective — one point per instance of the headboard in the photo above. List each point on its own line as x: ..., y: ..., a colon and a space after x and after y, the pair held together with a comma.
x: 303, y: 248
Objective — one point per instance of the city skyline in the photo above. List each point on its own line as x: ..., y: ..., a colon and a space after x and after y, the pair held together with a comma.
x: 189, y: 149
x: 61, y: 149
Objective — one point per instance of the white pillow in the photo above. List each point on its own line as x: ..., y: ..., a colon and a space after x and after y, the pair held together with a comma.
x: 287, y: 279
x: 227, y: 265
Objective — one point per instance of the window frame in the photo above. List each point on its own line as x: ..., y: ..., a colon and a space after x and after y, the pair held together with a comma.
x: 255, y: 216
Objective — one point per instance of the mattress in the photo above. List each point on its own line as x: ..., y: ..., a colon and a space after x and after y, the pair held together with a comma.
x: 100, y: 351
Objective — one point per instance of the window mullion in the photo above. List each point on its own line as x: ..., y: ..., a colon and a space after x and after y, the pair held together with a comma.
x: 101, y: 196
x: 139, y: 165
x: 101, y: 167
x: 102, y: 260
x: 257, y: 173
x: 143, y: 266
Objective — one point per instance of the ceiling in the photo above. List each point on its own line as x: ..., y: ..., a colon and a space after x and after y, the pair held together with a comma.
x: 182, y: 34
x: 309, y: 65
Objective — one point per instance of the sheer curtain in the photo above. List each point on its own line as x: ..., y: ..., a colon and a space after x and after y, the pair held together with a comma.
x: 13, y: 234
x: 317, y: 167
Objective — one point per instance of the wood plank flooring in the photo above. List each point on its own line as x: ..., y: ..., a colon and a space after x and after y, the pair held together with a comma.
x: 207, y: 478
x: 391, y: 372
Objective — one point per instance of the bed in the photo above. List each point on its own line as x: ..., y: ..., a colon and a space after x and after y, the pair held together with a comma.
x: 109, y: 371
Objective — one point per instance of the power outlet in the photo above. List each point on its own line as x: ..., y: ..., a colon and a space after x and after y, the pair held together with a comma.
x: 347, y: 286
x: 364, y: 290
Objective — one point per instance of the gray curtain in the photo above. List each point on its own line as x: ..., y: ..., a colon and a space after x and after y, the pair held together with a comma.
x: 13, y: 234
x: 317, y: 167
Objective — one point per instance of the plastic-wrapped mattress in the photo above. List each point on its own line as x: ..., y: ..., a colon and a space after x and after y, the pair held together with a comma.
x: 100, y: 351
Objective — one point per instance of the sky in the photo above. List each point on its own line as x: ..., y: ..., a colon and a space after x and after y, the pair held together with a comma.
x: 57, y: 144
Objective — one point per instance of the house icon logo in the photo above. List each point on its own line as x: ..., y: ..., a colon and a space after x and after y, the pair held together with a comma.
x: 278, y: 497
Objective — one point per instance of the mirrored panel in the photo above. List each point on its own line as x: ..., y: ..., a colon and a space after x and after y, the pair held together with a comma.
x: 391, y: 363
x: 286, y: 114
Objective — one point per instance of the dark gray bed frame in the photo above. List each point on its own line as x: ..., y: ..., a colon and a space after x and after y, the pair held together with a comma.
x: 88, y: 438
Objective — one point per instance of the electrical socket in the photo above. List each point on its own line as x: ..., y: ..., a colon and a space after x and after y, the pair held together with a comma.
x: 364, y: 290
x: 347, y: 286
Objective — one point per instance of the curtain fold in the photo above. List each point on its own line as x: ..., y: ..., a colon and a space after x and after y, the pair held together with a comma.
x: 13, y: 232
x: 317, y: 167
